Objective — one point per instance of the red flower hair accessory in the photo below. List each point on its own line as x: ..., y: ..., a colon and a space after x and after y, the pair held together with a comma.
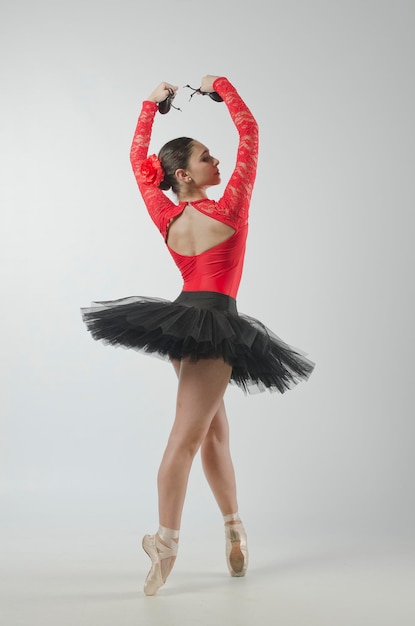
x: 151, y: 171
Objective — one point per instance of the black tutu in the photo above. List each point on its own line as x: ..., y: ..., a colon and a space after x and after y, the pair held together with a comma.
x: 201, y: 325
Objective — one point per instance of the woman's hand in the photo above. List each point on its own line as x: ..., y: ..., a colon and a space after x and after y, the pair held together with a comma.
x: 207, y: 83
x: 161, y: 92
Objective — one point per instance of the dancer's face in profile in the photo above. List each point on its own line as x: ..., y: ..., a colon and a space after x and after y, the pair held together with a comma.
x: 203, y: 167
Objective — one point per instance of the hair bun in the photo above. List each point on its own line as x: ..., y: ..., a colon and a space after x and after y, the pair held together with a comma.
x: 164, y: 185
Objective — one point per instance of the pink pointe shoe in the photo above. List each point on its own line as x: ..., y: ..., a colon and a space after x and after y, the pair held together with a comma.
x: 163, y: 545
x: 236, y: 545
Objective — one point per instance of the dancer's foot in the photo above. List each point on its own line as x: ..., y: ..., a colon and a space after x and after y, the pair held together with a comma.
x: 236, y: 545
x: 162, y: 550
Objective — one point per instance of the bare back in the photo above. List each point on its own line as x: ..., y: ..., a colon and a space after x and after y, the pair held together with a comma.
x: 193, y: 232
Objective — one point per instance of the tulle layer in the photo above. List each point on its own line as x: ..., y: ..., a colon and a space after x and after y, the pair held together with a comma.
x: 200, y: 325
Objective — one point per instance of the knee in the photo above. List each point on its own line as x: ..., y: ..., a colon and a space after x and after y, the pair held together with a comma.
x: 210, y: 437
x: 214, y: 437
x: 186, y: 445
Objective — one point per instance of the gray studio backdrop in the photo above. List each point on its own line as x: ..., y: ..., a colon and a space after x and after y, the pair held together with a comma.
x: 329, y: 263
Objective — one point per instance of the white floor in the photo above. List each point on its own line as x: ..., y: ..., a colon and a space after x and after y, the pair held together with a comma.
x: 57, y: 575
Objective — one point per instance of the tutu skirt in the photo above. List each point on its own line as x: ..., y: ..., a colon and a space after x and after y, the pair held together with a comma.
x: 201, y: 325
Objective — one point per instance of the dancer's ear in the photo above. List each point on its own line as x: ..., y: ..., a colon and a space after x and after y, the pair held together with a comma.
x: 183, y: 176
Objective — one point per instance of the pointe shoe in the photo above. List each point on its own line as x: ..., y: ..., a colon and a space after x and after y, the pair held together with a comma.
x: 236, y: 549
x: 157, y: 551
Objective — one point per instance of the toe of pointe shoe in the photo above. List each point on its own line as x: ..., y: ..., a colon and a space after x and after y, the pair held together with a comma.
x: 236, y: 550
x: 154, y: 578
x: 238, y: 566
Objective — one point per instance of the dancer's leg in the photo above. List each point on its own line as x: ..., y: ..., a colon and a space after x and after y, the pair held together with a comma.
x: 217, y: 462
x: 200, y: 392
x: 219, y: 471
x: 216, y: 459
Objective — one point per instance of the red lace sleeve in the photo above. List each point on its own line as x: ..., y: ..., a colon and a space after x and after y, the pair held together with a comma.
x: 234, y: 204
x: 159, y: 206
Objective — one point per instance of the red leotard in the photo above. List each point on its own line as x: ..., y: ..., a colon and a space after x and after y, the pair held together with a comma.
x: 218, y: 269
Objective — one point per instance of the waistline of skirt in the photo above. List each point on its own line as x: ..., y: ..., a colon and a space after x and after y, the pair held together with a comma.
x: 210, y: 300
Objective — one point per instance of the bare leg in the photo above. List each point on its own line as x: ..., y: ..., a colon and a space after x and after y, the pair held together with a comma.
x: 216, y: 459
x: 200, y: 393
x: 201, y: 422
x: 217, y: 463
x: 219, y: 471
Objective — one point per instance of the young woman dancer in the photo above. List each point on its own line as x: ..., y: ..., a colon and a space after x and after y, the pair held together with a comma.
x: 208, y: 342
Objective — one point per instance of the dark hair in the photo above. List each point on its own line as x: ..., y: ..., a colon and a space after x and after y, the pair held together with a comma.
x: 174, y: 155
